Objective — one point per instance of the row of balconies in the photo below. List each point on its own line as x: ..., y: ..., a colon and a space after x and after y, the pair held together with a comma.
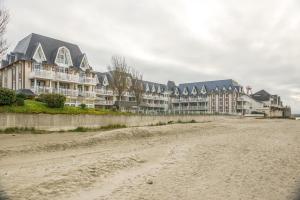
x: 154, y: 105
x: 190, y: 99
x: 63, y: 91
x: 155, y: 97
x: 104, y: 102
x: 180, y: 108
x: 59, y: 76
x: 129, y: 94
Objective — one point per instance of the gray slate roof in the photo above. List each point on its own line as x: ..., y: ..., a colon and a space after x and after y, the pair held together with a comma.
x: 209, y: 85
x: 163, y: 87
x: 27, y: 46
x: 261, y: 95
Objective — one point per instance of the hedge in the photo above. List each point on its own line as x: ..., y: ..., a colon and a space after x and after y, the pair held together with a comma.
x: 54, y: 100
x: 7, y: 96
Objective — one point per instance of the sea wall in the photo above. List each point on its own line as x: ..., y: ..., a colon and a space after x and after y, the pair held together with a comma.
x: 66, y: 122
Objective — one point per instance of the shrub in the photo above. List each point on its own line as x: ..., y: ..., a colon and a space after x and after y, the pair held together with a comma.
x: 82, y: 106
x: 21, y: 96
x: 7, y: 96
x: 24, y: 94
x: 20, y: 101
x: 54, y: 100
x: 41, y: 98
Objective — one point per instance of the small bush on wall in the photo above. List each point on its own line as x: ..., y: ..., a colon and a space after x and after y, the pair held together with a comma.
x: 54, y: 100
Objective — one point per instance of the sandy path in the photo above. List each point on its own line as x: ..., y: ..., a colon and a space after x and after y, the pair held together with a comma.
x: 231, y: 159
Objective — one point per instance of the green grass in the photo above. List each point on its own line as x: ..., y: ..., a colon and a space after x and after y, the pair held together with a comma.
x: 21, y: 130
x: 32, y: 106
x: 78, y: 129
x: 174, y: 122
x: 101, y: 128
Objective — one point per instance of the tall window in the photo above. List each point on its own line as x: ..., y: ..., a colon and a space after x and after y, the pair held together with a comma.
x: 63, y: 57
x: 13, y: 78
x: 20, y: 77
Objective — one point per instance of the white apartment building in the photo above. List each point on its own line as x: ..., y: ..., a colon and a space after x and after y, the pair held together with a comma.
x: 155, y: 98
x: 47, y: 65
x: 261, y: 102
x: 205, y: 97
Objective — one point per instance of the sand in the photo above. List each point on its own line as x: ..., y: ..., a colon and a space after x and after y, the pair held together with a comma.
x: 229, y: 159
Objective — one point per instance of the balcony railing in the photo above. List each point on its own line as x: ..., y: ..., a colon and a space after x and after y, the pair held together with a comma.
x: 189, y: 100
x: 104, y: 92
x: 153, y: 105
x: 63, y: 91
x: 190, y: 108
x: 104, y: 102
x: 59, y: 76
x: 155, y: 97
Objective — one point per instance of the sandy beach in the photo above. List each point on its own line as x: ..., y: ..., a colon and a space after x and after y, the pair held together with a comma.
x: 257, y: 159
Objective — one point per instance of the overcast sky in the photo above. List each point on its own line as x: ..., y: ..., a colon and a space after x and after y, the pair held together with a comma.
x: 255, y: 42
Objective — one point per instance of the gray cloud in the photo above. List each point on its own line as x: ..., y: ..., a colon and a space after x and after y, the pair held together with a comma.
x: 255, y: 42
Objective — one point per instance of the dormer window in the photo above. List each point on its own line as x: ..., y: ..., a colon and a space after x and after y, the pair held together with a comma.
x: 84, y: 63
x: 39, y: 55
x: 194, y: 91
x: 185, y: 91
x: 217, y: 89
x: 203, y: 90
x: 105, y: 81
x: 63, y: 57
x: 147, y: 88
x: 153, y: 88
x: 176, y: 91
x: 158, y: 89
x: 224, y: 89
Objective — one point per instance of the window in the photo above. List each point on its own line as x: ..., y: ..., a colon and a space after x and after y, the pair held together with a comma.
x: 39, y: 55
x: 84, y: 63
x: 20, y: 77
x: 13, y: 78
x: 63, y: 57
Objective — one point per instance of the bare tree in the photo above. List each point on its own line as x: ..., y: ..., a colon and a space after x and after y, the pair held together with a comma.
x: 4, y: 18
x: 120, y: 74
x: 137, y: 86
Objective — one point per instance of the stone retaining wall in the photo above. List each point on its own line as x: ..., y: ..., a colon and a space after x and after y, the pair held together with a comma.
x: 66, y: 122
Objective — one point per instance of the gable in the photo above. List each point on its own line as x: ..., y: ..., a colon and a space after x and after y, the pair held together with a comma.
x: 84, y: 63
x: 158, y: 89
x: 63, y: 57
x: 105, y: 81
x: 176, y: 92
x: 147, y: 88
x: 185, y: 91
x: 203, y: 90
x: 194, y: 91
x: 153, y: 88
x: 39, y: 55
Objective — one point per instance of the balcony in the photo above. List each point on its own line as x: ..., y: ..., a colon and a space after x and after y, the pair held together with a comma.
x: 59, y: 76
x: 155, y: 97
x: 104, y: 102
x: 190, y: 108
x: 104, y: 92
x: 153, y: 105
x: 63, y: 91
x: 191, y: 99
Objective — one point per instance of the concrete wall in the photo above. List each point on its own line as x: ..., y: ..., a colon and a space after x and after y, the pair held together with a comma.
x: 65, y: 122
